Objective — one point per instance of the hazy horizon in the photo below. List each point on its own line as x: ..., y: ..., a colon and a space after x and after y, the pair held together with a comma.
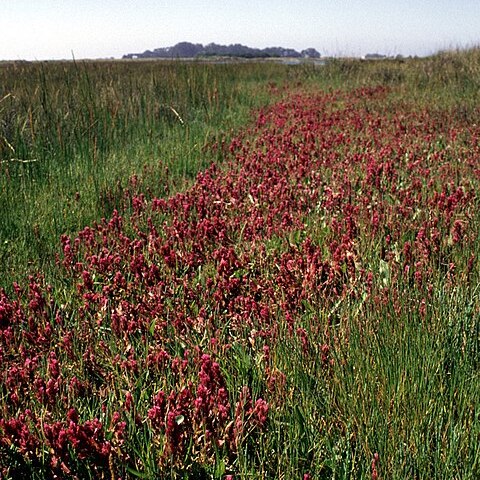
x: 47, y: 30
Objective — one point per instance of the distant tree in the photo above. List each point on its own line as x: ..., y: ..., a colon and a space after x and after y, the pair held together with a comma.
x: 214, y: 49
x: 191, y: 50
x: 239, y: 50
x: 273, y: 51
x: 310, y: 53
x: 185, y: 50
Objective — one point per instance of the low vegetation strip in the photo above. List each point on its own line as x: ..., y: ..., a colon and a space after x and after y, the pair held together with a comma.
x: 306, y: 309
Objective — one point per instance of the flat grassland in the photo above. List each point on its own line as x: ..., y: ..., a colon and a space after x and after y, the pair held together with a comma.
x: 240, y: 271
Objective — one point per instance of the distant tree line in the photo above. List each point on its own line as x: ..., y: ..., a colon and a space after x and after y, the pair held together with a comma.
x: 192, y: 50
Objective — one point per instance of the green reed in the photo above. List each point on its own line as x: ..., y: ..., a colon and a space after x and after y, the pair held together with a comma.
x: 72, y: 134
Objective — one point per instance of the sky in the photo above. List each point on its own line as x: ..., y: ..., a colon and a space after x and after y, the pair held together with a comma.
x: 66, y: 29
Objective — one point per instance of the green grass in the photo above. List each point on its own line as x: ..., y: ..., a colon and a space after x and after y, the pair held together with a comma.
x: 72, y: 135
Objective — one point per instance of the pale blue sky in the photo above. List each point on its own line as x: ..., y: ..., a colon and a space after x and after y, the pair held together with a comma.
x: 52, y: 29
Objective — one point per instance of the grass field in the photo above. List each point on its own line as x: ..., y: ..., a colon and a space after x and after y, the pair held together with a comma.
x: 251, y: 271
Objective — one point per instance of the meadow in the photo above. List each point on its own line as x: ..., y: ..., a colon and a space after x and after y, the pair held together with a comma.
x: 73, y: 134
x: 240, y: 271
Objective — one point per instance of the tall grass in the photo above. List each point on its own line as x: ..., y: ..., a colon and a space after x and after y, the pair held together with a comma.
x: 440, y: 80
x: 73, y: 134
